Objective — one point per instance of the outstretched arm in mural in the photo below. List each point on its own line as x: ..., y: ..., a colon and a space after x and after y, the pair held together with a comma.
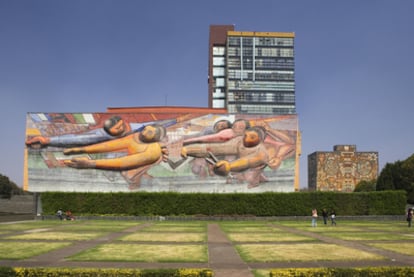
x: 113, y: 127
x: 142, y: 149
x: 224, y: 131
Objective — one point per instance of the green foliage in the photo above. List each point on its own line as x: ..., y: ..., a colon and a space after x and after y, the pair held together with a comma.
x: 366, y: 186
x: 237, y: 204
x: 7, y: 272
x: 337, y: 272
x: 91, y: 272
x: 398, y: 176
x: 8, y: 188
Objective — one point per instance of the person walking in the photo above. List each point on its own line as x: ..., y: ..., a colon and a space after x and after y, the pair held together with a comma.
x: 410, y: 213
x: 59, y: 214
x: 325, y: 216
x: 333, y: 217
x: 314, y: 217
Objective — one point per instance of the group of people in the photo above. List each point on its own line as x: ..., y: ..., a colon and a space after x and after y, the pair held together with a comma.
x: 65, y: 215
x: 325, y: 216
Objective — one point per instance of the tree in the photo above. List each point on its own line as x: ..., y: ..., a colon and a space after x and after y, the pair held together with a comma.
x: 365, y: 186
x: 8, y: 188
x: 398, y: 176
x: 385, y: 180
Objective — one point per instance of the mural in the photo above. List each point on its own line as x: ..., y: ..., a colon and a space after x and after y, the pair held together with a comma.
x: 341, y: 169
x: 184, y: 152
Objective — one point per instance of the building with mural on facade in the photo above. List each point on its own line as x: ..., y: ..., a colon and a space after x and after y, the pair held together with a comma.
x: 158, y: 149
x: 247, y: 140
x: 341, y: 169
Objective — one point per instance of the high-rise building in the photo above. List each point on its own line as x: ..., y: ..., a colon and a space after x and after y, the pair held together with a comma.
x: 251, y: 72
x: 341, y: 169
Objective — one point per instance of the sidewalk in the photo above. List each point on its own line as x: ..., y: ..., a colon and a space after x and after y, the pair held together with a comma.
x: 223, y: 257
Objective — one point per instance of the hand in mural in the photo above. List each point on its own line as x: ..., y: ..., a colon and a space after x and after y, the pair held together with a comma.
x: 38, y: 142
x: 113, y: 127
x: 82, y: 162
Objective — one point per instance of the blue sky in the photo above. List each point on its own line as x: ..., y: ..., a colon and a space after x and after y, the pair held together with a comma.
x: 354, y: 64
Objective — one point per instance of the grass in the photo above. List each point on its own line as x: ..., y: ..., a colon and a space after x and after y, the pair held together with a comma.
x: 47, y: 235
x: 24, y: 250
x: 165, y: 237
x: 144, y: 253
x: 301, y: 252
x: 267, y: 237
x: 256, y: 241
x: 402, y: 248
x: 368, y: 236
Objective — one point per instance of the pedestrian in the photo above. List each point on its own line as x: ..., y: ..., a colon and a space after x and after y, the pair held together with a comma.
x: 69, y: 215
x: 314, y: 217
x: 59, y: 214
x: 325, y: 216
x: 333, y: 217
x: 410, y: 213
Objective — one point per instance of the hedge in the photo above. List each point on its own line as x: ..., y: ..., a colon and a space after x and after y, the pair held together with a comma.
x: 344, y: 272
x: 237, y: 204
x: 92, y: 272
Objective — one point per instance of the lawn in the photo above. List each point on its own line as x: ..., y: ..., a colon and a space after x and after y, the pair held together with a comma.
x: 164, y: 241
x: 144, y: 253
x: 301, y: 252
x: 23, y: 250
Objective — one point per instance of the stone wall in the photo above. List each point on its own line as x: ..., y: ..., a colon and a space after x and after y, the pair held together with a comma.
x: 18, y: 204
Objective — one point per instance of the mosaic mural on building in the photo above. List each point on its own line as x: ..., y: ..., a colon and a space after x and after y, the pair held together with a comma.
x: 341, y: 169
x: 185, y: 152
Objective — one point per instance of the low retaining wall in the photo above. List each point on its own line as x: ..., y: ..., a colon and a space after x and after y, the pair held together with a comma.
x: 18, y: 204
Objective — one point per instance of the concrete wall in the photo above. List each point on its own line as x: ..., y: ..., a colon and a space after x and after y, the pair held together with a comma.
x: 18, y: 204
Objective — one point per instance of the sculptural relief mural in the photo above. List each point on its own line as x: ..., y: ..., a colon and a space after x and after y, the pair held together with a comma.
x: 182, y: 152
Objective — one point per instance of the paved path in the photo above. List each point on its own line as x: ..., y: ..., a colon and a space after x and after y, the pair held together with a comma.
x: 223, y: 257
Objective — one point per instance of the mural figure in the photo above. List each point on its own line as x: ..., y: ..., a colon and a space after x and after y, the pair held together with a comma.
x: 143, y: 150
x: 249, y: 151
x: 278, y: 144
x: 222, y: 131
x: 113, y: 127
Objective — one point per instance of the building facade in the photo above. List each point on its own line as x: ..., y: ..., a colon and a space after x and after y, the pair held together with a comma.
x: 342, y: 169
x: 251, y: 72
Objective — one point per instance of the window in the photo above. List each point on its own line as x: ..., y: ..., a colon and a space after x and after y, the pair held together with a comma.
x: 220, y: 82
x: 219, y: 61
x: 219, y: 51
x: 219, y: 103
x: 218, y: 71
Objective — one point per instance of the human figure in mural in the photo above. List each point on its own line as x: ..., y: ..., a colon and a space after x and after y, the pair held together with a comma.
x: 248, y: 149
x: 279, y: 144
x: 199, y: 166
x: 113, y: 127
x: 224, y: 131
x: 143, y: 150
